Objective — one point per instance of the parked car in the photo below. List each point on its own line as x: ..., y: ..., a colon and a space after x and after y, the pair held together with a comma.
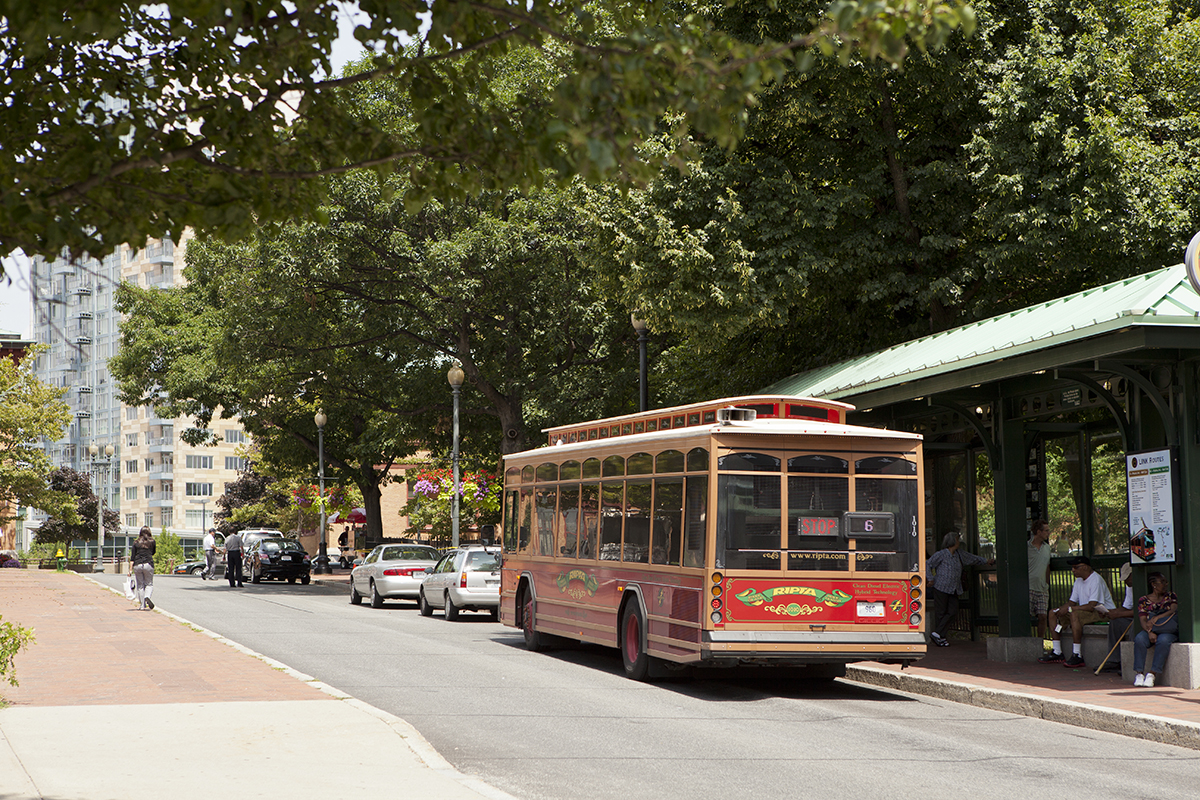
x: 277, y: 558
x: 391, y: 571
x: 189, y: 568
x: 252, y: 536
x: 467, y: 579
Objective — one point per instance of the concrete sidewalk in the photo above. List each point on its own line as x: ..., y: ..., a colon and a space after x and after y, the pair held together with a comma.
x: 120, y: 704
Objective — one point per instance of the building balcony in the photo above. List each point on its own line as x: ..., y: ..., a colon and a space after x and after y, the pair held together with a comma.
x: 82, y: 291
x: 83, y: 340
x: 165, y: 278
x: 163, y: 444
x: 162, y: 469
x: 162, y: 500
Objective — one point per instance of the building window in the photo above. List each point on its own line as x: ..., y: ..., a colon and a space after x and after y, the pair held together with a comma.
x: 168, y: 517
x: 149, y: 491
x: 198, y: 462
x: 194, y: 519
x: 148, y: 519
x: 131, y: 493
x: 131, y: 467
x: 131, y: 412
x: 131, y: 440
x: 198, y: 489
x: 235, y: 436
x: 131, y: 520
x: 233, y: 462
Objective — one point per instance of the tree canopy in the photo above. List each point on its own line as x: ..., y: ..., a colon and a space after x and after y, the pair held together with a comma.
x: 77, y: 521
x: 867, y: 206
x: 125, y: 119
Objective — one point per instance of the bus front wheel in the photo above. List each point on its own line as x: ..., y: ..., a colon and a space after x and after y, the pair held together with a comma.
x: 632, y: 638
x: 533, y: 640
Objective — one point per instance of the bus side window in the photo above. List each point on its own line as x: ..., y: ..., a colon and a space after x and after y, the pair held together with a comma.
x: 525, y: 520
x: 589, y: 513
x: 568, y: 521
x: 695, y: 521
x: 547, y: 509
x: 668, y: 515
x: 612, y: 496
x: 510, y: 520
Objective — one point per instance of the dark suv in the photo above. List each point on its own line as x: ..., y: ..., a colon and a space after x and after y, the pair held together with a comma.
x: 277, y: 558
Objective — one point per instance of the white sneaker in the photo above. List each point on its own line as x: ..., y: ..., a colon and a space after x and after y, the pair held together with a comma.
x: 1140, y: 680
x: 1149, y: 682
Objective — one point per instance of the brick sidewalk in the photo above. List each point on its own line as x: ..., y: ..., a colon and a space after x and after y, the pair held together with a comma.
x: 94, y: 648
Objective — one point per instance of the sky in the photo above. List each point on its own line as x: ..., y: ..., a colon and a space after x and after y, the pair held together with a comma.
x: 15, y: 303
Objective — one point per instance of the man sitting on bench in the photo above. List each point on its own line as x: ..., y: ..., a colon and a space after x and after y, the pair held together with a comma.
x: 1089, y: 593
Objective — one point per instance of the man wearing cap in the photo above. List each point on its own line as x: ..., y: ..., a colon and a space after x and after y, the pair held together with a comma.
x: 1119, y: 620
x: 1089, y: 593
x: 210, y: 554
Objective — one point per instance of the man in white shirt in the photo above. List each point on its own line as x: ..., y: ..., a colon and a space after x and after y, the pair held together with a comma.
x: 1039, y: 574
x: 1089, y: 593
x: 210, y: 554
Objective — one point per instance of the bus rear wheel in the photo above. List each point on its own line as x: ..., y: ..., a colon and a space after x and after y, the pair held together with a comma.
x: 632, y: 637
x: 533, y: 640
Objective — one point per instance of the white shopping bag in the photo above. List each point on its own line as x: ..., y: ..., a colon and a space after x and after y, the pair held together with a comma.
x: 131, y: 588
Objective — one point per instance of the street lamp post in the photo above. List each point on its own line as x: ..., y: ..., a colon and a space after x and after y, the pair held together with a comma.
x: 322, y: 567
x: 101, y: 491
x: 455, y: 376
x: 639, y: 325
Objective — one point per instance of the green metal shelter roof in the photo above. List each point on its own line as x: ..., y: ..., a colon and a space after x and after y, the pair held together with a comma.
x: 1162, y: 298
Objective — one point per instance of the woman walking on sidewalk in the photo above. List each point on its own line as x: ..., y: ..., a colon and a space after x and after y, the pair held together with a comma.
x: 1160, y: 629
x: 142, y: 567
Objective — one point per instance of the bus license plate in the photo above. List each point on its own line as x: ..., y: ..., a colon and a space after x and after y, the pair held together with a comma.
x: 870, y: 609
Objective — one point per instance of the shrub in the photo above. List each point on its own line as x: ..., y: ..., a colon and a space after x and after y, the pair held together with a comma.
x: 13, y: 639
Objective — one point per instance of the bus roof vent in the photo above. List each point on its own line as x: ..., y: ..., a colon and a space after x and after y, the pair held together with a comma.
x: 735, y: 414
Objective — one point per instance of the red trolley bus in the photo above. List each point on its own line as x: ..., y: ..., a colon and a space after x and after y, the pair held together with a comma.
x: 748, y: 530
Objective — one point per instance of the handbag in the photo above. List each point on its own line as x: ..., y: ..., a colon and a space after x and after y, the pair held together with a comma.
x: 1168, y: 625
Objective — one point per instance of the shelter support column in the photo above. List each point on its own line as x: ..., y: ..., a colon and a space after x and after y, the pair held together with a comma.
x: 1185, y: 577
x: 1012, y: 562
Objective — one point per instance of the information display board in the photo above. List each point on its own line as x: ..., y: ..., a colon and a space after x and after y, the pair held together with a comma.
x: 1152, y: 485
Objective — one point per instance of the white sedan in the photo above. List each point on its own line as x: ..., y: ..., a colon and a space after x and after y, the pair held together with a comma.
x: 467, y: 579
x: 390, y: 572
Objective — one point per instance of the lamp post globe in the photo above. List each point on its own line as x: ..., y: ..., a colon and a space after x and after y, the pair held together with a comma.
x: 640, y: 326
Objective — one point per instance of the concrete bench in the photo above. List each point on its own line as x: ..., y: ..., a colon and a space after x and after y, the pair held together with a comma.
x: 1095, y: 646
x: 1182, y: 670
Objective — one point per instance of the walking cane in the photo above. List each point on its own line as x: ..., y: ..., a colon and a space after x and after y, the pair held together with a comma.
x: 1114, y: 647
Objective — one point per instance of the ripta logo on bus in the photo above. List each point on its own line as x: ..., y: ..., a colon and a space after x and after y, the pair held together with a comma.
x: 577, y: 583
x: 832, y: 599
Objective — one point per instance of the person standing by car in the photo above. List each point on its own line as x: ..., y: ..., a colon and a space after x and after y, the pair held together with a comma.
x: 210, y: 554
x: 233, y: 559
x: 141, y: 566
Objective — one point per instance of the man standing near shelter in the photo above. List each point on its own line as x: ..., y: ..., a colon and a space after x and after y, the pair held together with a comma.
x: 1089, y: 593
x: 1039, y: 574
x: 210, y: 554
x: 233, y: 558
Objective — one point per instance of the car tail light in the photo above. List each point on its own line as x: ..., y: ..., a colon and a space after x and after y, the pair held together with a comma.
x: 462, y: 580
x: 404, y: 572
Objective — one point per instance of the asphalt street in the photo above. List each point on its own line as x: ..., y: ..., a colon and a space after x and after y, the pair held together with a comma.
x: 567, y: 724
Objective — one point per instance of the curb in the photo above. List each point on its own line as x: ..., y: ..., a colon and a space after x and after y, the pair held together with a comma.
x: 1125, y: 723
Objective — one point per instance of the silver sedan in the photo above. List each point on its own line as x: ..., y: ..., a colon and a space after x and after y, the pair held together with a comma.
x: 467, y: 579
x: 391, y: 571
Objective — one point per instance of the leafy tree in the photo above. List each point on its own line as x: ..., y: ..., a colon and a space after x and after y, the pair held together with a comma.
x: 168, y: 552
x: 29, y: 411
x: 866, y: 206
x: 79, y: 523
x: 216, y: 114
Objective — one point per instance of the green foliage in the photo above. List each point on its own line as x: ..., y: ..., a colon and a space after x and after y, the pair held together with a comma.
x: 866, y: 206
x: 13, y: 639
x: 30, y: 410
x: 431, y: 490
x: 225, y: 114
x: 79, y: 519
x: 168, y: 552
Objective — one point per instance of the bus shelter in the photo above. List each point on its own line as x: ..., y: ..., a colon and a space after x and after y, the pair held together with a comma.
x: 1030, y: 415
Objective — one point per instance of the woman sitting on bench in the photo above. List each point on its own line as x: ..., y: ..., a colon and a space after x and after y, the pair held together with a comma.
x: 1160, y: 628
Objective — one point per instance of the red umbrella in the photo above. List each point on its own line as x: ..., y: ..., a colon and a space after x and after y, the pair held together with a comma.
x: 357, y: 516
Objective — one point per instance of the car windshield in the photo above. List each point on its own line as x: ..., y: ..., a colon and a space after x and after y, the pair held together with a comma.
x: 276, y: 545
x: 409, y: 554
x: 481, y: 561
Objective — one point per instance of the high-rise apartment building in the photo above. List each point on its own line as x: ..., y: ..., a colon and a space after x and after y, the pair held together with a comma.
x: 152, y: 478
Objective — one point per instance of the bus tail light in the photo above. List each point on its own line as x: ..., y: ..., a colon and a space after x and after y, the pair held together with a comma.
x: 717, y: 591
x: 915, y: 619
x: 914, y: 600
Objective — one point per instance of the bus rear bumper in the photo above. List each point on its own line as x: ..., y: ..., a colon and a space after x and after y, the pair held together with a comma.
x: 811, y: 647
